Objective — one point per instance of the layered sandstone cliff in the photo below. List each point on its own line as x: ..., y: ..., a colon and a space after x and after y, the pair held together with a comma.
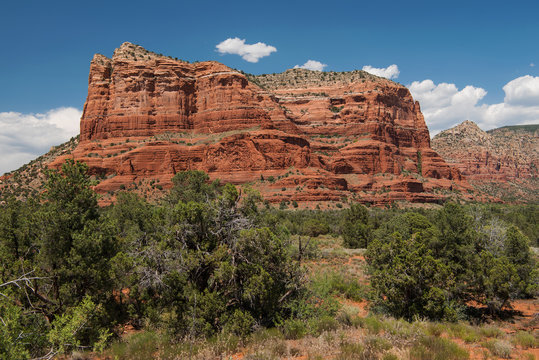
x: 503, y: 162
x: 301, y: 135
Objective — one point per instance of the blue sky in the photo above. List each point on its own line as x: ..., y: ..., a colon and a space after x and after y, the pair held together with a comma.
x: 475, y: 48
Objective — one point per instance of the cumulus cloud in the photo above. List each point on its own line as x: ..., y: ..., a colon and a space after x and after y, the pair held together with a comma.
x: 248, y: 52
x: 444, y: 105
x: 24, y: 137
x: 522, y: 91
x: 390, y: 72
x: 311, y: 65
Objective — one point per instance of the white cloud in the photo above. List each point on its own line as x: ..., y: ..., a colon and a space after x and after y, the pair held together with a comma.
x: 522, y: 91
x: 311, y: 65
x: 390, y: 72
x: 249, y: 52
x: 24, y: 137
x: 532, y: 64
x: 444, y: 105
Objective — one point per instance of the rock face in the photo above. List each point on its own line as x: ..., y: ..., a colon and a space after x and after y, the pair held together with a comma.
x: 301, y: 135
x: 503, y: 162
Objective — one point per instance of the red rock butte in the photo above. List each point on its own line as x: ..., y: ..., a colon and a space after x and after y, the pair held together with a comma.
x: 301, y: 135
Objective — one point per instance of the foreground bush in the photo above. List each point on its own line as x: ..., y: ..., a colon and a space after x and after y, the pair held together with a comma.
x: 194, y: 265
x: 424, y: 269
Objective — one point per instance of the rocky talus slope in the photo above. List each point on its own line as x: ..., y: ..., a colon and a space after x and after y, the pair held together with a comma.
x: 503, y: 162
x: 299, y: 136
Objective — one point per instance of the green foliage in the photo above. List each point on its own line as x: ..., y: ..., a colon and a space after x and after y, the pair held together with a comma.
x: 433, y: 268
x: 239, y: 323
x: 499, y: 348
x: 74, y: 246
x: 356, y: 235
x: 407, y: 280
x: 318, y: 325
x: 496, y: 280
x: 350, y: 351
x: 293, y: 329
x: 355, y: 229
x: 21, y: 332
x: 213, y: 270
x: 314, y: 228
x: 372, y: 324
x: 525, y: 340
x: 55, y: 252
x: 517, y: 250
x: 463, y: 331
x: 490, y: 331
x: 139, y: 346
x: 207, y: 261
x: 429, y: 347
x: 192, y: 186
x: 336, y: 109
x: 334, y: 283
x: 77, y: 328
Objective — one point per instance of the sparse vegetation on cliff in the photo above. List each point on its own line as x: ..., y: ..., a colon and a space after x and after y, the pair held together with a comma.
x: 308, y: 78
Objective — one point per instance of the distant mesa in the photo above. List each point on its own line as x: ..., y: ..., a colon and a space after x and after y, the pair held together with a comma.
x: 503, y: 162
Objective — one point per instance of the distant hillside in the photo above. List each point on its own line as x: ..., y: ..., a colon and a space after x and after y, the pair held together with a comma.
x: 503, y: 162
x: 28, y: 179
x: 533, y: 128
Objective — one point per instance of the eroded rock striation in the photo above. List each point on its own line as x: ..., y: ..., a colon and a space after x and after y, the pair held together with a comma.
x: 304, y: 136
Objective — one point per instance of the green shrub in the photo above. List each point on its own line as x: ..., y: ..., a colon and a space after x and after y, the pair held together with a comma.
x: 375, y: 345
x: 351, y: 351
x: 356, y: 231
x: 334, y: 283
x: 401, y: 329
x: 499, y: 348
x: 435, y: 328
x: 293, y: 329
x: 372, y: 324
x: 347, y: 315
x: 431, y: 347
x: 279, y: 348
x: 138, y: 346
x: 240, y: 323
x: 491, y: 331
x: 463, y: 331
x: 314, y: 227
x: 325, y: 323
x: 264, y: 335
x: 525, y: 340
x: 336, y: 109
x: 224, y: 343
